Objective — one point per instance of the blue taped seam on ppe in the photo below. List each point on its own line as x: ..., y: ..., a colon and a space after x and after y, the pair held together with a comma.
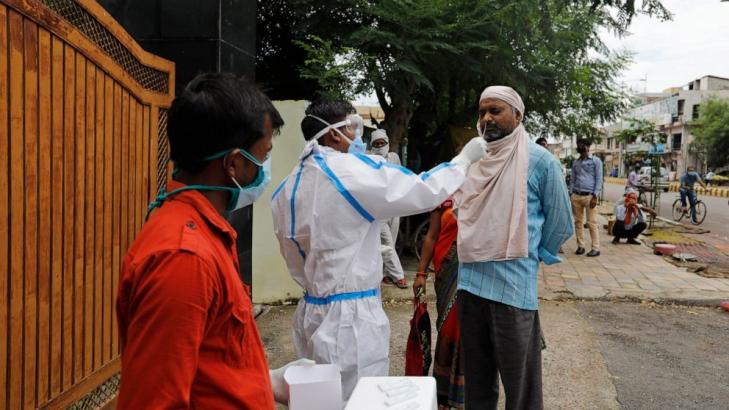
x: 279, y: 188
x: 342, y: 190
x: 442, y: 166
x: 292, y: 203
x: 377, y: 165
x: 339, y: 297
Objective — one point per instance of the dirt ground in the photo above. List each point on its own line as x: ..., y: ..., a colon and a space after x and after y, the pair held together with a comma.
x: 600, y: 355
x: 575, y: 376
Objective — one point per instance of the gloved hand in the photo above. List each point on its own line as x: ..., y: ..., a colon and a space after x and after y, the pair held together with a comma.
x: 473, y: 151
x: 280, y: 389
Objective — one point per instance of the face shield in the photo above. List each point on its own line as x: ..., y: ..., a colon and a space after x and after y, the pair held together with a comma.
x: 353, y: 123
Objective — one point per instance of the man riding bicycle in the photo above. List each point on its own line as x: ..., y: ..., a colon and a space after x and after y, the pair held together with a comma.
x: 688, y: 180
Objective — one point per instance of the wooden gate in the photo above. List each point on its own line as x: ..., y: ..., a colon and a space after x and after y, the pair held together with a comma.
x: 82, y: 151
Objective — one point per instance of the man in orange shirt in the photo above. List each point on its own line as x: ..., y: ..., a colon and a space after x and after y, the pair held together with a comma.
x: 188, y: 335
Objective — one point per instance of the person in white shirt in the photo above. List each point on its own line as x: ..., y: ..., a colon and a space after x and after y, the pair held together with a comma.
x: 393, y: 272
x: 630, y: 220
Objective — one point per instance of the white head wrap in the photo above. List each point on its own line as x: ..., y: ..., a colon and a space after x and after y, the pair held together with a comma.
x: 379, y: 134
x: 505, y: 94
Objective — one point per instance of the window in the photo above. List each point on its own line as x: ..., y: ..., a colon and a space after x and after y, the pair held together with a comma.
x: 695, y: 112
x: 676, y: 143
x: 609, y: 143
x: 680, y: 106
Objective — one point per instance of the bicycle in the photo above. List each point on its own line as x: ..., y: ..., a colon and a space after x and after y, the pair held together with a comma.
x: 679, y: 212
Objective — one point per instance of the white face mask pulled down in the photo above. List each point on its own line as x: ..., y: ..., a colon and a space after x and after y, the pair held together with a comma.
x: 354, y: 123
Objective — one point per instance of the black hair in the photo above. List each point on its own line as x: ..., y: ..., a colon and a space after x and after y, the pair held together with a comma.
x: 330, y: 111
x: 541, y: 140
x: 216, y: 112
x: 584, y: 141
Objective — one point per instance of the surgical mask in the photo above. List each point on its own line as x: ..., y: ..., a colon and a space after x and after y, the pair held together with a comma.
x: 240, y: 196
x: 244, y: 196
x: 354, y: 122
x: 381, y: 151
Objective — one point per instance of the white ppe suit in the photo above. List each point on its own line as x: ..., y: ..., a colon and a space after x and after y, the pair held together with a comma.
x: 327, y: 215
x: 388, y: 237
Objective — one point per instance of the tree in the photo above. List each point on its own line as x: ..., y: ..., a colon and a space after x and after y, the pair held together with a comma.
x: 428, y: 60
x: 711, y: 130
x: 643, y: 129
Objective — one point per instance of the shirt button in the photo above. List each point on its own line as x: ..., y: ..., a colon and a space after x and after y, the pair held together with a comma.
x: 190, y: 225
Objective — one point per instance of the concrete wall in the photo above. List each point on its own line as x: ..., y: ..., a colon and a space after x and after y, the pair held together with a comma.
x: 271, y: 279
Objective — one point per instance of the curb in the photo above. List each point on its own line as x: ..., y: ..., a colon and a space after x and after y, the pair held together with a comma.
x: 566, y: 295
x: 673, y: 187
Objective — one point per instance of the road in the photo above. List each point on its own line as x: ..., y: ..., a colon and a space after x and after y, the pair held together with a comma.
x: 600, y: 355
x: 717, y: 218
x: 663, y: 357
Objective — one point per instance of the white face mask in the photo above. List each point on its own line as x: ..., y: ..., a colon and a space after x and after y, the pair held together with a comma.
x: 381, y: 151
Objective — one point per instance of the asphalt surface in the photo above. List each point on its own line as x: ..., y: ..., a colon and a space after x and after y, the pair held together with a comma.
x: 717, y: 208
x: 600, y: 355
x: 663, y: 357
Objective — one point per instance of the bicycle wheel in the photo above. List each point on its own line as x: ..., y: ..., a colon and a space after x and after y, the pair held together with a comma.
x: 700, y: 213
x: 677, y: 210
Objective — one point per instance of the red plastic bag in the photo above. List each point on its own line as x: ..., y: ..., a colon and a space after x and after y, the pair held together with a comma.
x: 417, y: 353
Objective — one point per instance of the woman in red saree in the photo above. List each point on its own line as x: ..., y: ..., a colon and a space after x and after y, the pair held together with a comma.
x: 439, y: 247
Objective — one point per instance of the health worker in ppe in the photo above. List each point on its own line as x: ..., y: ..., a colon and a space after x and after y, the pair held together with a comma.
x: 327, y: 215
x: 188, y: 336
x: 393, y: 273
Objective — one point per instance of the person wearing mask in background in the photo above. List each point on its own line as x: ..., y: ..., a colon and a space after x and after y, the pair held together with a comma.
x: 393, y: 272
x: 688, y: 180
x: 633, y: 182
x: 188, y: 336
x: 327, y: 216
x: 585, y: 187
x: 629, y: 219
x: 513, y: 212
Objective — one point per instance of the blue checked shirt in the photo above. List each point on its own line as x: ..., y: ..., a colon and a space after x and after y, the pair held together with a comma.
x: 587, y: 175
x: 514, y: 282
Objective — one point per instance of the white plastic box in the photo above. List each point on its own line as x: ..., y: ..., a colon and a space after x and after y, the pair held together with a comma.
x: 317, y: 387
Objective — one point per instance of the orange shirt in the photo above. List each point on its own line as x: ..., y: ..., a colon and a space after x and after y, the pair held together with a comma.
x: 188, y: 335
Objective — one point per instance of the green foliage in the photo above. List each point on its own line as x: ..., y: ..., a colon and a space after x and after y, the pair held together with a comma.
x: 712, y: 131
x: 428, y: 60
x: 646, y: 130
x: 330, y: 67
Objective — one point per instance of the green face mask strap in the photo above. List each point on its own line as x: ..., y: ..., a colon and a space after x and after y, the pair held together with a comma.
x: 164, y: 195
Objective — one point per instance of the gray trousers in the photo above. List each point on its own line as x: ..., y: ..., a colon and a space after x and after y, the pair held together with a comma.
x: 499, y: 339
x: 391, y: 262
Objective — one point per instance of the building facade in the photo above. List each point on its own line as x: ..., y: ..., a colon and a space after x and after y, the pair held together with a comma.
x: 672, y: 112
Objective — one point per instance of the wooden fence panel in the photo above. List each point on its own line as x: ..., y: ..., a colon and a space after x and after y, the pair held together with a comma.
x: 83, y: 136
x: 4, y: 203
x: 30, y: 132
x: 45, y: 185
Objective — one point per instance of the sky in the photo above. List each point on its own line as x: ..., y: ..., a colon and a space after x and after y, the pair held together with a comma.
x: 671, y: 53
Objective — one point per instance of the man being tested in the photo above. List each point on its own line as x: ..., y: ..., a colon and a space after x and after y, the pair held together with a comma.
x: 513, y: 212
x: 327, y: 215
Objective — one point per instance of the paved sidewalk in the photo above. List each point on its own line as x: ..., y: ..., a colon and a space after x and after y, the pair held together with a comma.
x: 626, y: 271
